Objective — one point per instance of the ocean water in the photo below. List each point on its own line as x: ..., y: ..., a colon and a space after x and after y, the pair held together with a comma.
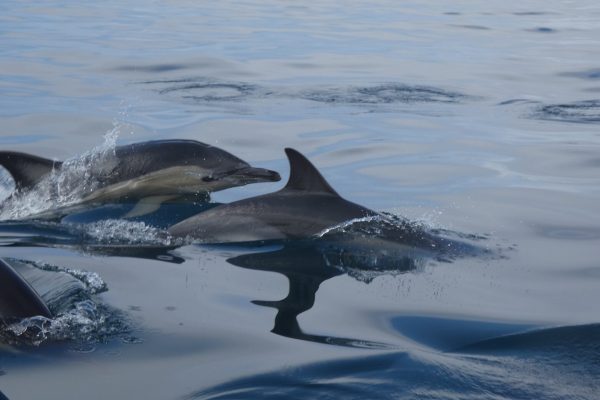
x: 479, y: 121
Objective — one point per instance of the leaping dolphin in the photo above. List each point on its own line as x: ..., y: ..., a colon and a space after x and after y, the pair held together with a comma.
x: 150, y: 172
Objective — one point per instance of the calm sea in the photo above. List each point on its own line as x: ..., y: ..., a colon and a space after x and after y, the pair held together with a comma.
x: 477, y: 118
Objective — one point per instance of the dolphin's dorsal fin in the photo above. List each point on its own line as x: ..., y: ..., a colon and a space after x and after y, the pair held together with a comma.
x: 304, y: 176
x: 18, y: 299
x: 26, y: 169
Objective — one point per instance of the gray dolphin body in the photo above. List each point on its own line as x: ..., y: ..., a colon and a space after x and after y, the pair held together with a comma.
x: 18, y: 299
x: 155, y: 170
x: 306, y: 206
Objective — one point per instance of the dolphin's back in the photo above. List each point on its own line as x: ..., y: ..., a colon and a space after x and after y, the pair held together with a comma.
x: 17, y: 298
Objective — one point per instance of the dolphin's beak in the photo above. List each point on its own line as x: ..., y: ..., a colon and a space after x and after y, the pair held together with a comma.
x: 253, y: 175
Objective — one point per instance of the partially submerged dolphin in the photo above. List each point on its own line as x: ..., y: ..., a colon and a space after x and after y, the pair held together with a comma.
x: 308, y: 207
x: 150, y: 172
x: 305, y: 207
x: 18, y: 299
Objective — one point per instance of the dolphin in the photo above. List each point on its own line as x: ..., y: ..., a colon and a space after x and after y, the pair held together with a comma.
x: 305, y: 207
x: 18, y: 299
x: 150, y: 172
x: 309, y: 208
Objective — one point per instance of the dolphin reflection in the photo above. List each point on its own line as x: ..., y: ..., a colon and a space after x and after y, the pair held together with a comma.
x: 306, y: 265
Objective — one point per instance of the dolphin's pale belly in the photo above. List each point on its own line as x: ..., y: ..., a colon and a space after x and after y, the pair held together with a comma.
x: 153, y: 189
x: 172, y: 181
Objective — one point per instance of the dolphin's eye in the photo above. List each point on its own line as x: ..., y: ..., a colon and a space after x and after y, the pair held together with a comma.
x: 208, y: 179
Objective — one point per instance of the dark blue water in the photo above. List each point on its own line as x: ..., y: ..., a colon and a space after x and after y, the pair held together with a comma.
x: 479, y: 123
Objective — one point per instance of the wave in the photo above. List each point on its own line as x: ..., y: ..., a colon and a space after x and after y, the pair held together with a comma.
x: 580, y: 342
x: 447, y: 334
x: 555, y: 372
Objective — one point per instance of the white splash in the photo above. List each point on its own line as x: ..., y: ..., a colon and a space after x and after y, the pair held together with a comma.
x: 342, y: 227
x: 66, y: 186
x: 86, y: 321
x: 122, y: 232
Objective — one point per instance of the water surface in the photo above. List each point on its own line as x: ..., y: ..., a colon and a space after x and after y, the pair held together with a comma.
x: 476, y: 119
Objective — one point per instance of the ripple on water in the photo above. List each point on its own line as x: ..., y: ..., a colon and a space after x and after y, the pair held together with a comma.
x: 212, y: 91
x: 529, y: 13
x: 383, y: 94
x: 208, y: 90
x: 586, y: 111
x: 568, y: 232
x: 473, y: 27
x: 588, y: 74
x: 204, y: 89
x: 542, y: 29
x: 154, y: 68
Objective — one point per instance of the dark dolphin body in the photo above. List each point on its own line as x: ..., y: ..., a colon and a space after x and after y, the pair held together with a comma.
x: 151, y: 172
x: 306, y: 206
x: 17, y: 298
